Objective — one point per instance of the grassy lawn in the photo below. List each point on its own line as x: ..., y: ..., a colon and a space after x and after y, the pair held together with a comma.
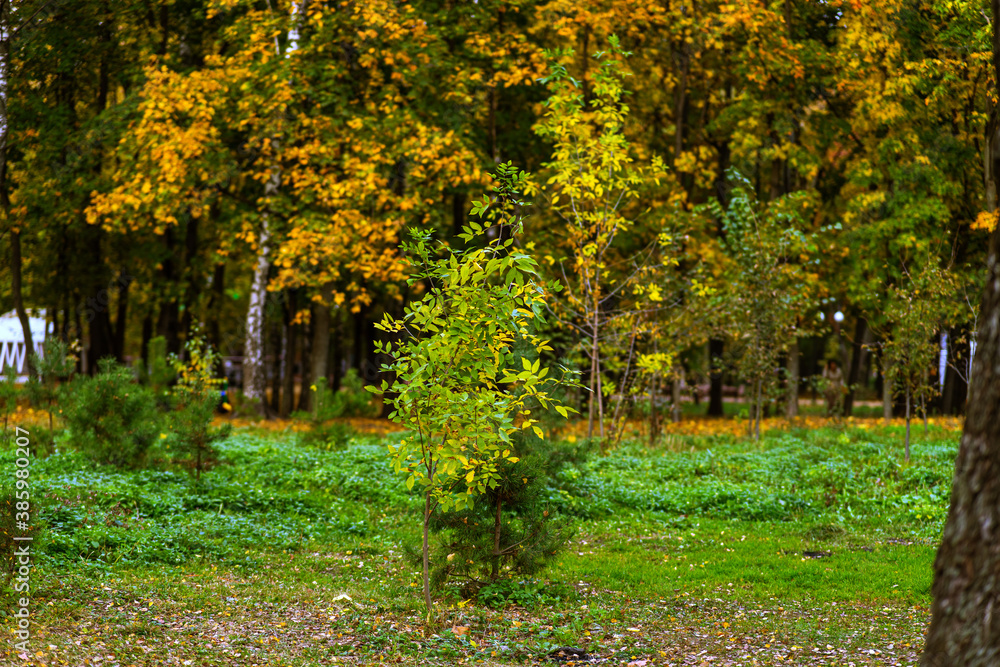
x: 813, y: 547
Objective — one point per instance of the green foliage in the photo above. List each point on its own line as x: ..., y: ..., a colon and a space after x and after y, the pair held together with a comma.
x: 528, y: 593
x: 455, y: 386
x: 915, y: 313
x: 197, y: 397
x: 8, y: 525
x: 768, y: 290
x: 9, y: 392
x: 508, y: 533
x: 111, y: 417
x: 262, y: 492
x: 351, y: 400
x: 159, y: 373
x: 592, y: 182
x: 332, y: 436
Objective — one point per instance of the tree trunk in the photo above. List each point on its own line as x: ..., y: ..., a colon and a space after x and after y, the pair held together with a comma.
x: 215, y: 300
x: 22, y: 314
x: 320, y: 352
x: 497, y: 529
x: 305, y: 356
x: 886, y: 395
x: 757, y: 410
x: 715, y: 349
x: 857, y: 347
x: 654, y: 414
x: 288, y: 364
x: 792, y: 395
x: 15, y: 234
x: 279, y: 346
x: 336, y: 359
x: 675, y: 396
x: 593, y: 385
x: 101, y: 333
x: 254, y: 378
x: 426, y: 554
x: 965, y: 621
x: 121, y: 318
x: 907, y: 424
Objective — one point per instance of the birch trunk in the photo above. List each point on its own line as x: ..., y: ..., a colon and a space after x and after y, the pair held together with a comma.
x: 254, y: 379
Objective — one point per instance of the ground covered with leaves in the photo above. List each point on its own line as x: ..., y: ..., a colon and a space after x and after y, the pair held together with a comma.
x: 813, y: 547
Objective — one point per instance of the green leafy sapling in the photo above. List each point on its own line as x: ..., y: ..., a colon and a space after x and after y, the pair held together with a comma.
x: 456, y: 385
x: 197, y: 396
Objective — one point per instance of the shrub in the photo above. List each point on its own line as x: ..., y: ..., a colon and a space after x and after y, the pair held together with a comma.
x: 351, y: 400
x: 507, y: 533
x: 110, y: 417
x: 197, y: 396
x: 334, y: 436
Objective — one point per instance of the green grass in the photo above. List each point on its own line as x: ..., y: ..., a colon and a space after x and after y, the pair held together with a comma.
x: 293, y: 554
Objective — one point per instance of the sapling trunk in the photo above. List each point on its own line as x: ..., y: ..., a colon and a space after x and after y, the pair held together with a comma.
x: 593, y: 385
x: 654, y: 426
x: 600, y: 400
x: 495, y: 568
x: 907, y: 424
x: 675, y: 399
x: 426, y: 554
x: 757, y: 428
x: 923, y: 410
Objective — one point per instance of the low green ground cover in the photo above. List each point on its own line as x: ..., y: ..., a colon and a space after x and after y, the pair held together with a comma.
x: 811, y: 547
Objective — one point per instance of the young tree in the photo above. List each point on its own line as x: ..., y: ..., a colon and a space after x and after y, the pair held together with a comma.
x: 197, y: 394
x: 590, y: 180
x: 766, y: 293
x: 455, y: 386
x: 916, y: 313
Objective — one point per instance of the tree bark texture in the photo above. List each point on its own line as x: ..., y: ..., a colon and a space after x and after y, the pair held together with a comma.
x: 965, y: 625
x: 965, y: 622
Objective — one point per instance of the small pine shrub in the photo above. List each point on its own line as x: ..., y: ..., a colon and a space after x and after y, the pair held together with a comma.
x: 508, y: 533
x: 111, y: 417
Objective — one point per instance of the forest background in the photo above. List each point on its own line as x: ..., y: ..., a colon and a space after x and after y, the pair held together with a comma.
x: 253, y: 167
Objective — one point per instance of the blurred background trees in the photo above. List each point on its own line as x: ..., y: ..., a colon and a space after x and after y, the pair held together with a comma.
x: 147, y: 143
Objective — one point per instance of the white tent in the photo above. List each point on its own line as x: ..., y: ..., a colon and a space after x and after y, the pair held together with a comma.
x: 12, y: 352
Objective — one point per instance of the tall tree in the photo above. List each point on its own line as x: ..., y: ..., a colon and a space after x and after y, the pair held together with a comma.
x: 965, y: 625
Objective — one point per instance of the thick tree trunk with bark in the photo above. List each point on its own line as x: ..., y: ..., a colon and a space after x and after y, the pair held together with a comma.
x: 965, y: 622
x: 965, y: 626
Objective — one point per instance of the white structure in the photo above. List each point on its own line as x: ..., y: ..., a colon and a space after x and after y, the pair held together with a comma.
x: 12, y: 352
